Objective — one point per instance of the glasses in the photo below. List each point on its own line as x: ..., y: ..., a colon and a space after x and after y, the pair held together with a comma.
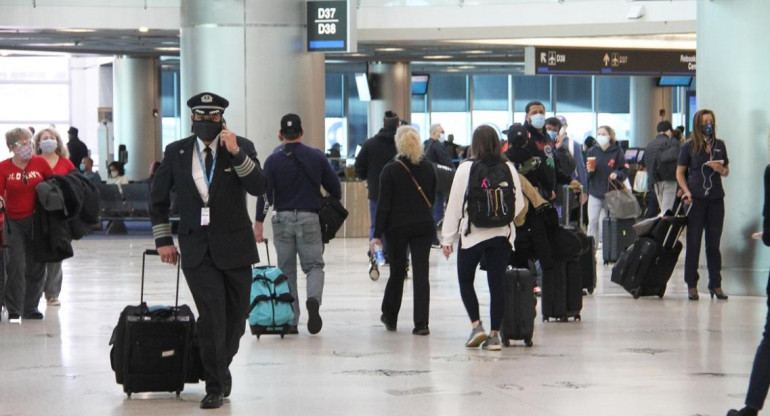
x: 22, y: 143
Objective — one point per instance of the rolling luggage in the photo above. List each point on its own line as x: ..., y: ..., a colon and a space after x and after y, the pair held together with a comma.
x: 588, y: 265
x: 617, y: 234
x: 520, y: 307
x: 562, y: 292
x: 152, y: 347
x: 569, y: 208
x: 271, y: 311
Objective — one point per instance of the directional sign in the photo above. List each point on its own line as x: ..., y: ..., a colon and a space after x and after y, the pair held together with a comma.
x: 327, y: 26
x: 554, y: 61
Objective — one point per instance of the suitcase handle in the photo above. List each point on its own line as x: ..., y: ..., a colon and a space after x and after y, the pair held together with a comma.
x: 267, y: 250
x: 153, y: 252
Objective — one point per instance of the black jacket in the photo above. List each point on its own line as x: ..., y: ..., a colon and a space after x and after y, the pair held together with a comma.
x: 229, y: 238
x: 559, y: 162
x: 660, y: 159
x: 436, y: 152
x: 375, y: 153
x: 607, y: 161
x: 78, y: 150
x: 401, y: 204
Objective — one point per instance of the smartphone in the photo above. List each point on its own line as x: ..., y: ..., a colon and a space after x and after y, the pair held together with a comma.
x: 562, y: 131
x: 720, y: 161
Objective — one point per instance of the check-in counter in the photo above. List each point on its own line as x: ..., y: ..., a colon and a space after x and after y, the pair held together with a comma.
x: 356, y: 202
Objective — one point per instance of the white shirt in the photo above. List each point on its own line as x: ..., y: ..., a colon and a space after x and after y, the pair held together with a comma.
x: 198, y: 171
x: 456, y: 220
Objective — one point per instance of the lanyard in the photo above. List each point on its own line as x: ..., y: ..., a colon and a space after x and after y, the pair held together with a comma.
x: 203, y: 166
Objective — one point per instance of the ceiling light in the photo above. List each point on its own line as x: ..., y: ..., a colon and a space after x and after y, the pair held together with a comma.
x: 437, y: 57
x: 144, y: 29
x: 4, y: 53
x: 77, y: 30
x: 477, y: 52
x: 167, y: 49
x: 466, y: 67
x: 389, y: 49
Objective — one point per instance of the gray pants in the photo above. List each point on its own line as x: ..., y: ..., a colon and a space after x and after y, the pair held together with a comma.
x: 24, y: 285
x: 298, y: 233
x: 665, y: 191
x: 596, y: 213
x: 53, y: 278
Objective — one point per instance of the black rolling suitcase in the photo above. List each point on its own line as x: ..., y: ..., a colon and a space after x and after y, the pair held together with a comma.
x: 520, y: 307
x: 152, y: 347
x: 617, y: 234
x: 562, y: 292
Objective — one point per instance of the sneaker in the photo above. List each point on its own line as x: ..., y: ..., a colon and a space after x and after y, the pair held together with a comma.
x: 33, y: 315
x: 477, y: 337
x: 492, y: 343
x: 14, y: 317
x: 53, y: 302
x: 314, y: 322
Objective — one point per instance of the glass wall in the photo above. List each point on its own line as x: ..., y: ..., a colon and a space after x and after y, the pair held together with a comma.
x: 170, y: 103
x: 613, y: 105
x: 346, y: 119
x: 490, y: 102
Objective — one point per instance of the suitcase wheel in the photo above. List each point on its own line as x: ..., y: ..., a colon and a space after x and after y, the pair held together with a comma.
x: 282, y: 334
x: 577, y: 317
x: 128, y: 394
x: 528, y: 342
x: 661, y: 293
x: 257, y: 335
x: 506, y: 342
x: 591, y: 292
x: 637, y: 293
x: 178, y: 392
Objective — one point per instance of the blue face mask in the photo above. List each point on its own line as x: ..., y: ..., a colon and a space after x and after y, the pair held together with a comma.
x: 537, y: 121
x: 707, y: 129
x: 552, y: 134
x: 82, y: 167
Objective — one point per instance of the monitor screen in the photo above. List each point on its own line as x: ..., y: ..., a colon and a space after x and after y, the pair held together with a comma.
x: 640, y: 155
x: 674, y: 81
x: 362, y: 85
x: 420, y: 84
x: 631, y: 155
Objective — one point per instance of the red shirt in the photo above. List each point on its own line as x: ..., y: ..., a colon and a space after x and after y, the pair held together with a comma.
x: 63, y: 166
x: 20, y: 197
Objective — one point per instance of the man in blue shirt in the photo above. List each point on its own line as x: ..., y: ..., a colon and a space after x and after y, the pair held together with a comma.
x: 295, y: 172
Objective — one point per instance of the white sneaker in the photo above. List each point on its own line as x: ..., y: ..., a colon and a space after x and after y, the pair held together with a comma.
x: 53, y: 302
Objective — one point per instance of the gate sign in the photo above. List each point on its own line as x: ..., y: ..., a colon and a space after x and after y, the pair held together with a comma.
x: 328, y: 26
x: 555, y: 61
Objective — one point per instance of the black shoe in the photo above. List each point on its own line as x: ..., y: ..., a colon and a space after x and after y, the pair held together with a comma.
x: 227, y: 385
x: 212, y: 401
x: 14, y: 317
x: 718, y: 293
x: 421, y: 329
x: 389, y: 326
x: 746, y: 411
x: 33, y: 315
x: 692, y: 294
x: 314, y: 322
x: 292, y: 331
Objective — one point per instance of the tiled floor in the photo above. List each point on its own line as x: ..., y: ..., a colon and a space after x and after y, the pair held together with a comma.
x: 627, y: 357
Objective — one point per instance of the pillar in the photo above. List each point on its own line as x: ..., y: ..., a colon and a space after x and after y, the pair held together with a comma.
x: 644, y: 117
x: 732, y: 68
x: 136, y: 100
x: 392, y: 90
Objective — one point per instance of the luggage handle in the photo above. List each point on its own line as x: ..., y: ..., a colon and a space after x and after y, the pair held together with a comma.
x: 153, y: 252
x: 267, y: 250
x: 677, y: 211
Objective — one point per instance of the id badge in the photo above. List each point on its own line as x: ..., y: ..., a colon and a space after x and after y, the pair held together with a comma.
x: 205, y: 216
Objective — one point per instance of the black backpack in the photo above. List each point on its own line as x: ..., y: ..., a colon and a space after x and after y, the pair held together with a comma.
x: 490, y: 197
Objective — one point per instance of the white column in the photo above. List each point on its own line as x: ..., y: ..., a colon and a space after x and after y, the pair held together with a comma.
x: 732, y: 73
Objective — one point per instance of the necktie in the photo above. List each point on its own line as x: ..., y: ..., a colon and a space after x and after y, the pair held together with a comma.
x: 209, y: 160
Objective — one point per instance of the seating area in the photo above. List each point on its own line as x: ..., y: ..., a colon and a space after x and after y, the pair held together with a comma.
x: 130, y: 202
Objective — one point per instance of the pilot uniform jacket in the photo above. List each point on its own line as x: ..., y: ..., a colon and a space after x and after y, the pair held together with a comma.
x: 228, y: 237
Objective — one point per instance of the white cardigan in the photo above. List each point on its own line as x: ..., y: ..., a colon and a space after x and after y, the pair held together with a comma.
x: 456, y: 218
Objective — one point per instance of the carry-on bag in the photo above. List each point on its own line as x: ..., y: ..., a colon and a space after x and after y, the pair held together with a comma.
x: 520, y: 307
x: 617, y: 234
x: 271, y: 311
x: 152, y: 347
x: 562, y: 291
x: 568, y: 202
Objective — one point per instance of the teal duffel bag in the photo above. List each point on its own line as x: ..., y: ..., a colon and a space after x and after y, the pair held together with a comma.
x: 271, y: 309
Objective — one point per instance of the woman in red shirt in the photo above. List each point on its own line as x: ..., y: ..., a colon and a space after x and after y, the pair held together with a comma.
x: 18, y: 177
x: 48, y: 144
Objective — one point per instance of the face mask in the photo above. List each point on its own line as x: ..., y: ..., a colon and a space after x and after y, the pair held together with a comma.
x: 602, y: 140
x: 113, y: 174
x: 25, y: 152
x: 48, y: 146
x: 552, y: 134
x: 207, y: 130
x: 707, y: 129
x: 537, y: 121
x: 442, y: 137
x: 82, y: 167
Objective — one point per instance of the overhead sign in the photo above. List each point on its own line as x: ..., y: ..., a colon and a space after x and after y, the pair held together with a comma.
x: 329, y: 27
x: 555, y: 61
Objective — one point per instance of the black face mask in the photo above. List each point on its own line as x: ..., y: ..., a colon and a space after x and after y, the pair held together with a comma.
x: 207, y: 130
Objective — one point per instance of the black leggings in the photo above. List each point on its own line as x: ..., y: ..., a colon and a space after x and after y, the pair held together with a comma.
x: 496, y: 251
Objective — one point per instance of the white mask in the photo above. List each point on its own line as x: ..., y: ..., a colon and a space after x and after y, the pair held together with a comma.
x: 442, y: 137
x: 48, y: 146
x: 602, y: 140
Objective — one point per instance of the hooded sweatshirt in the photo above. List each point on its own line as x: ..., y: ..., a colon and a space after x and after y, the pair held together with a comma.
x: 607, y: 161
x: 375, y: 153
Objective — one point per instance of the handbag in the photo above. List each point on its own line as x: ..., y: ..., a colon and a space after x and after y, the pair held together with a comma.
x: 332, y: 214
x: 621, y: 203
x: 641, y: 182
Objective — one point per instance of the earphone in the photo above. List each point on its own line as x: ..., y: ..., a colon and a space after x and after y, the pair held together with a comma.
x: 708, y: 183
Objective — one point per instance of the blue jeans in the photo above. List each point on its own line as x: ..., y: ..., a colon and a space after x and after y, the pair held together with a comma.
x: 438, y: 207
x: 760, y: 373
x: 299, y: 234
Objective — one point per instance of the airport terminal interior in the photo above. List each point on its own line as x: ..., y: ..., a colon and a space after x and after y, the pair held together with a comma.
x: 121, y: 72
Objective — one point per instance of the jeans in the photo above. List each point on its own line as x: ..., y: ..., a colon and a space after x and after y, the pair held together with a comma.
x: 438, y: 207
x: 665, y: 192
x: 496, y: 251
x: 596, y: 214
x: 418, y: 239
x: 299, y: 234
x: 760, y: 372
x: 705, y: 215
x: 24, y: 284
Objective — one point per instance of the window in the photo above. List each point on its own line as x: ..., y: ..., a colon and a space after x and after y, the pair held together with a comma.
x: 573, y: 94
x: 490, y: 102
x: 358, y: 119
x: 531, y: 88
x: 613, y: 105
x: 449, y: 93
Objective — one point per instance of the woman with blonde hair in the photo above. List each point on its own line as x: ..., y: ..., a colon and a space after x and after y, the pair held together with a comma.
x: 605, y: 163
x: 48, y: 144
x: 405, y: 217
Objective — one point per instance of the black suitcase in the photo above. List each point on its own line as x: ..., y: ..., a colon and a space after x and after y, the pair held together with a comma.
x: 588, y: 266
x: 645, y: 268
x: 520, y: 307
x: 562, y: 292
x: 617, y: 234
x: 152, y: 347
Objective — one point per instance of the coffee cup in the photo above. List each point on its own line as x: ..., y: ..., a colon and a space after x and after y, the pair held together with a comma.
x: 591, y: 163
